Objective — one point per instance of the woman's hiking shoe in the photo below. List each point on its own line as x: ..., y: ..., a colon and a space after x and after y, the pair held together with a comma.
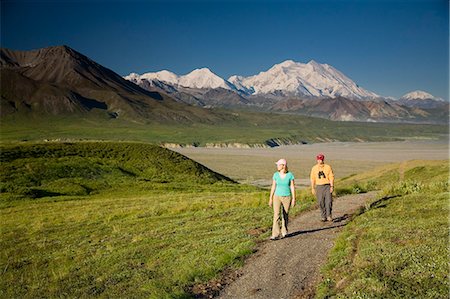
x: 273, y: 238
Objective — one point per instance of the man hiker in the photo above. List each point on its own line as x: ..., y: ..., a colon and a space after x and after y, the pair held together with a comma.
x: 322, y: 185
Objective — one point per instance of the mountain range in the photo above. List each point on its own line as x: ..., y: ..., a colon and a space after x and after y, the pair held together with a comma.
x: 61, y: 81
x: 311, y: 89
x: 288, y: 78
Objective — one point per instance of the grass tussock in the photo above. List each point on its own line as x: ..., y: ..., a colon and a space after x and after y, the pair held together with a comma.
x: 398, y: 247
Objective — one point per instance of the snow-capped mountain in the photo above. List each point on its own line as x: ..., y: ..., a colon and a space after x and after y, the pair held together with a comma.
x: 288, y: 78
x: 422, y: 99
x: 420, y: 95
x: 199, y: 78
x: 162, y: 76
x: 204, y: 78
x: 237, y: 82
x: 311, y: 79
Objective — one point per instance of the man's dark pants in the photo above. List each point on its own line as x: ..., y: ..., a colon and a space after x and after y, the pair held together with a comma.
x: 324, y: 200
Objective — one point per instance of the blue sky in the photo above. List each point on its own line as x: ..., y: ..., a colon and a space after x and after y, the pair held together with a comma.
x: 388, y: 47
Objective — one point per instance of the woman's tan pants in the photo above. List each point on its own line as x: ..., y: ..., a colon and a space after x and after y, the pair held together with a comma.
x: 280, y: 203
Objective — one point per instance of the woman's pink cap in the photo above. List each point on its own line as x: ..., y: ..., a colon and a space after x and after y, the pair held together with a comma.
x: 281, y: 161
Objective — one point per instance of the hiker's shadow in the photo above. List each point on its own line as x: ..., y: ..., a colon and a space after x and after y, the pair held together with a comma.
x: 337, y: 222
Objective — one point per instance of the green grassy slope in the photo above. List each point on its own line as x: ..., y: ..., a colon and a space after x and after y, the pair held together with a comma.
x: 398, y: 248
x: 120, y: 219
x: 38, y: 170
x: 398, y: 175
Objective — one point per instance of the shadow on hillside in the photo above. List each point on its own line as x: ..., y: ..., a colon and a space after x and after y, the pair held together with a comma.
x: 39, y: 193
x: 380, y: 203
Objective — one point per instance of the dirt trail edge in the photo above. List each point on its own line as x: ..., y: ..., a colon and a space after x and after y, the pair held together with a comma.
x: 289, y: 268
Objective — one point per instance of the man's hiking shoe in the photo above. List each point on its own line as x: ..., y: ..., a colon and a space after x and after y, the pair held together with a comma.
x: 273, y: 238
x: 323, y: 219
x: 283, y: 236
x: 329, y: 219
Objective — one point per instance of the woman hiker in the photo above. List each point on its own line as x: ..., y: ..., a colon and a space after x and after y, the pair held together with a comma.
x: 282, y: 195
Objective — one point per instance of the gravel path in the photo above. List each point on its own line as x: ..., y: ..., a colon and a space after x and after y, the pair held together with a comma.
x: 289, y: 268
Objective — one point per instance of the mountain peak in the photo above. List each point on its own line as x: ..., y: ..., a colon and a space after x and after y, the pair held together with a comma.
x: 202, y: 71
x: 287, y: 63
x: 203, y: 78
x: 62, y: 51
x: 313, y: 62
x: 63, y: 48
x: 28, y: 58
x: 422, y: 99
x: 134, y: 77
x: 419, y: 95
x: 165, y: 72
x: 163, y: 76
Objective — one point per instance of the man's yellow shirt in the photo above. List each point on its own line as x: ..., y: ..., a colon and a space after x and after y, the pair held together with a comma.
x: 322, y: 174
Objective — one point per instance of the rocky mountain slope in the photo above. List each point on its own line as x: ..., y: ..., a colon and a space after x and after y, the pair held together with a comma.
x: 344, y: 109
x: 60, y: 80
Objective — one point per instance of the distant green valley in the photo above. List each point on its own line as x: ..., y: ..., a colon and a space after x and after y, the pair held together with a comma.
x: 242, y: 127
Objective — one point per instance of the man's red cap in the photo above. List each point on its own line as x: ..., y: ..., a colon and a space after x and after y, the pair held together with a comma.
x: 320, y: 157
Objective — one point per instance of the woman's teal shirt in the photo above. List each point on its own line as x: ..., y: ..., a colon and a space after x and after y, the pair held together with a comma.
x: 283, y: 185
